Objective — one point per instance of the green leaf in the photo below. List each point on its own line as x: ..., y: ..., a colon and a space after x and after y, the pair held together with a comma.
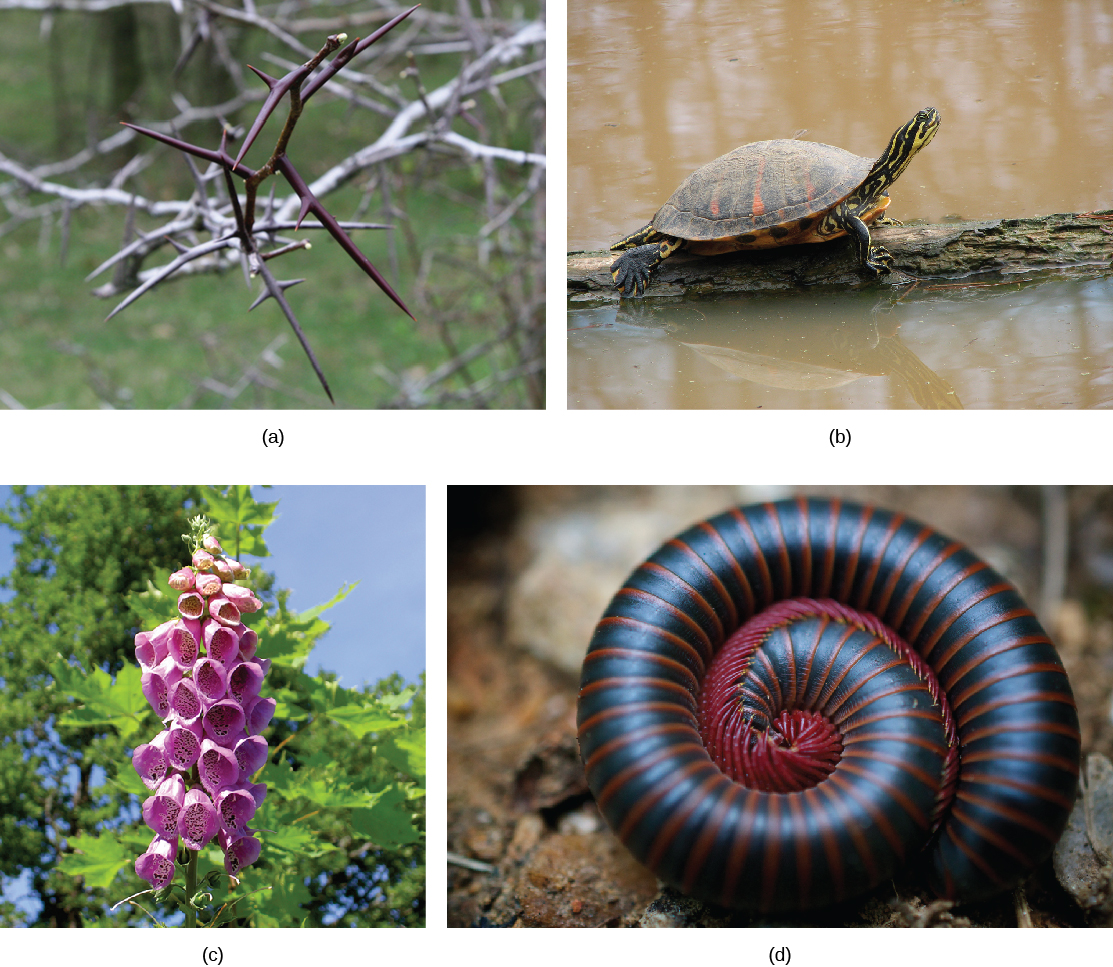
x: 280, y: 906
x: 128, y: 783
x: 397, y: 701
x: 362, y: 721
x: 237, y: 506
x: 319, y: 781
x: 242, y: 519
x: 297, y: 840
x: 97, y: 858
x: 120, y: 705
x: 406, y: 752
x: 312, y: 613
x: 389, y: 823
x: 155, y: 605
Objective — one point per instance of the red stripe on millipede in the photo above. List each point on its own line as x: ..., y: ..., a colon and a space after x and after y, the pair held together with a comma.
x: 619, y: 779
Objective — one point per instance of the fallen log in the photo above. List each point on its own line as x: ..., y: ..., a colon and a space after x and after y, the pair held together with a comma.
x: 1077, y: 246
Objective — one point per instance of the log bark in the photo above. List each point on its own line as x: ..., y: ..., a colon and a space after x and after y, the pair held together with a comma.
x: 1077, y: 246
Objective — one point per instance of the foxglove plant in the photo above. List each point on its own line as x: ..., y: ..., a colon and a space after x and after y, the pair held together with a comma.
x: 203, y: 679
x: 247, y: 235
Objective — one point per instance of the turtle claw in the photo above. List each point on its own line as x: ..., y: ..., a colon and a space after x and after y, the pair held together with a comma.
x: 631, y: 271
x: 879, y: 261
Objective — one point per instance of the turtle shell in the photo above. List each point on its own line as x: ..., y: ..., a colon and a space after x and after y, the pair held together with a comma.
x: 759, y: 188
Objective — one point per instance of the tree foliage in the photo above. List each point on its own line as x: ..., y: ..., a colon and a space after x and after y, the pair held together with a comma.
x: 343, y: 835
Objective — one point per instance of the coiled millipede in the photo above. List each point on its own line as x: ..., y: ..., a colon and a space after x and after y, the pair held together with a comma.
x: 827, y: 762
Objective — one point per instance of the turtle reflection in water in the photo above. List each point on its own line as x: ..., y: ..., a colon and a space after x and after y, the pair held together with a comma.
x: 775, y: 193
x: 830, y: 357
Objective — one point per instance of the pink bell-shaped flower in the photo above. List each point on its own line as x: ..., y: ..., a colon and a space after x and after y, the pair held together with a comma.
x: 149, y: 760
x: 258, y: 792
x: 235, y: 806
x: 223, y: 571
x: 191, y: 629
x: 245, y: 680
x: 217, y: 767
x: 191, y: 604
x: 184, y: 647
x: 249, y: 641
x: 183, y: 744
x: 251, y: 754
x: 156, y: 864
x: 259, y: 713
x: 237, y: 569
x: 150, y: 646
x: 241, y: 597
x: 221, y: 644
x: 198, y: 821
x: 182, y: 580
x: 238, y: 853
x: 208, y: 584
x: 224, y: 611
x: 185, y: 702
x: 211, y: 679
x: 224, y: 721
x: 156, y: 684
x: 161, y: 810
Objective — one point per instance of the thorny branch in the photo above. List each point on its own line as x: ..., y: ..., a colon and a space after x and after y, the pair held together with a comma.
x: 244, y: 234
x: 247, y: 228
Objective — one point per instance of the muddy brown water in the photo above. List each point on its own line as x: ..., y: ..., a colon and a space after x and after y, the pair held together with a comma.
x: 1025, y: 92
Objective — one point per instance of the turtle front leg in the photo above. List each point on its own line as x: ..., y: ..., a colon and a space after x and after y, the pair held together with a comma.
x: 874, y: 258
x: 632, y: 269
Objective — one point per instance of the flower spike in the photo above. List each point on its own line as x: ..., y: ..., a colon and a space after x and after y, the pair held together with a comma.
x: 199, y: 769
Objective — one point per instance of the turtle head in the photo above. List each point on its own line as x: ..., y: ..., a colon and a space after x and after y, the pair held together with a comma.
x: 903, y: 145
x: 917, y: 132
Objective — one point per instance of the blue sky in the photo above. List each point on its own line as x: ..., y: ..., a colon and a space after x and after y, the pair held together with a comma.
x: 325, y: 537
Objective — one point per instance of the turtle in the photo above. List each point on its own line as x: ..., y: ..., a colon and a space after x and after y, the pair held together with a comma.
x: 769, y: 193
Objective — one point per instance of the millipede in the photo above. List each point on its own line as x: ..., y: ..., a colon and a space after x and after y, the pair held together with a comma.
x: 789, y: 703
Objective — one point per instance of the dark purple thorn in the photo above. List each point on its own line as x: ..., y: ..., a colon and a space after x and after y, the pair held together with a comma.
x: 216, y: 157
x: 302, y: 212
x: 310, y: 203
x: 266, y: 78
x: 274, y: 289
x: 266, y: 293
x: 278, y: 89
x: 353, y: 49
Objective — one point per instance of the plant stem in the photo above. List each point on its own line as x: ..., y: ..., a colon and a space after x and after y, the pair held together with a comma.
x: 191, y: 889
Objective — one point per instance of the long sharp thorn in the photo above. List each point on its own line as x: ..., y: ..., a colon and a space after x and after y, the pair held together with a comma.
x: 266, y: 293
x: 266, y: 78
x: 212, y: 156
x: 310, y: 202
x: 353, y: 49
x: 278, y: 89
